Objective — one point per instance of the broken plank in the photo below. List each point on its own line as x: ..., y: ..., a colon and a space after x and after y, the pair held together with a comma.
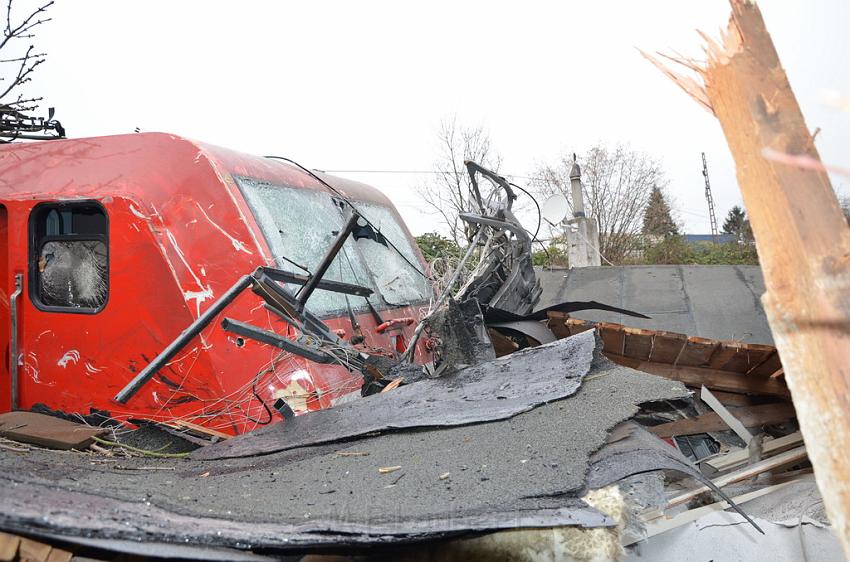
x: 502, y: 344
x: 730, y: 419
x: 732, y: 398
x: 576, y: 326
x: 712, y: 378
x: 662, y: 524
x: 788, y: 457
x: 749, y: 417
x: 738, y: 458
x: 47, y: 431
x: 205, y: 431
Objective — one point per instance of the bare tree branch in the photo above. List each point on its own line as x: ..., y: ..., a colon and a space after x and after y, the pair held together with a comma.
x: 448, y: 192
x: 14, y: 124
x: 616, y: 184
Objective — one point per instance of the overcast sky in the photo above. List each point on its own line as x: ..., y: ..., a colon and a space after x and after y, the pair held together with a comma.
x: 365, y: 85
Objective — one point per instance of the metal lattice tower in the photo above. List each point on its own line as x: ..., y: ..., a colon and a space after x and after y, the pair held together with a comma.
x: 714, y: 234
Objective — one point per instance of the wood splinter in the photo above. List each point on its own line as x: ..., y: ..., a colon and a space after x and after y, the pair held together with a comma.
x: 802, y: 239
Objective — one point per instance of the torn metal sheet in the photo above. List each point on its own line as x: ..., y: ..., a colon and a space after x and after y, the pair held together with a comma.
x: 525, y: 471
x: 490, y: 391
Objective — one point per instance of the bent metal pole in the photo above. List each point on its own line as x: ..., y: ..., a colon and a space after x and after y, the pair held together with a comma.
x: 183, y: 339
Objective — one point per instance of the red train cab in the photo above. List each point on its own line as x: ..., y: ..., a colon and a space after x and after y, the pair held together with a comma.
x: 110, y: 247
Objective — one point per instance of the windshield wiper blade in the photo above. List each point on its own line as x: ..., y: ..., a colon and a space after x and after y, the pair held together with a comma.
x: 327, y: 284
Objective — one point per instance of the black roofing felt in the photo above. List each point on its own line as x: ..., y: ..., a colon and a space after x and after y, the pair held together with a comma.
x: 521, y: 471
x: 490, y: 391
x: 711, y: 301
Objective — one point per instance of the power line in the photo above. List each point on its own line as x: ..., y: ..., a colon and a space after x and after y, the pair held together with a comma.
x: 429, y: 172
x: 437, y: 173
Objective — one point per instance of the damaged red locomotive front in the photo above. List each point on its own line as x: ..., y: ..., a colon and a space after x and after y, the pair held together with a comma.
x: 110, y: 247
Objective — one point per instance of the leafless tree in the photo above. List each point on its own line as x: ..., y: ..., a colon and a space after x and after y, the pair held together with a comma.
x: 448, y: 192
x: 616, y: 183
x: 18, y: 60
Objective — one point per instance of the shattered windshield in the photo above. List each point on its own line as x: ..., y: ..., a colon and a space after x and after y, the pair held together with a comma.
x: 393, y: 270
x: 299, y: 226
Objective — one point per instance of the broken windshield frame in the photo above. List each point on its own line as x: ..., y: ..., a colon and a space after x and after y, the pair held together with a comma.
x: 299, y: 226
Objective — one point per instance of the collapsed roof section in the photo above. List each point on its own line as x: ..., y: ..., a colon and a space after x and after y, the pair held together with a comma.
x: 519, y: 460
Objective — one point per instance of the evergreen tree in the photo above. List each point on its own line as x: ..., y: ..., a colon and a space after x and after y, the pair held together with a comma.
x: 433, y: 245
x: 738, y: 225
x: 657, y: 220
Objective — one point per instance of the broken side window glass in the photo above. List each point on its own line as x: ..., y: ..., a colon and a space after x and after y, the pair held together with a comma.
x: 70, y: 257
x: 397, y: 281
x: 300, y: 226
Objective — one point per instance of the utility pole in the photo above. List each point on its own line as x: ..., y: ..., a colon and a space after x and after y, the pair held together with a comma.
x: 715, y: 236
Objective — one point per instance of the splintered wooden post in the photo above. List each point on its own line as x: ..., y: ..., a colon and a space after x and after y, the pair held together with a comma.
x: 802, y: 239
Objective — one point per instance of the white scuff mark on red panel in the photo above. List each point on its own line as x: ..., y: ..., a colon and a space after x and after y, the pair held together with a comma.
x: 30, y: 366
x: 237, y: 244
x: 44, y: 333
x: 238, y: 201
x: 198, y: 297
x: 91, y: 368
x: 205, y: 292
x: 138, y: 213
x: 71, y: 356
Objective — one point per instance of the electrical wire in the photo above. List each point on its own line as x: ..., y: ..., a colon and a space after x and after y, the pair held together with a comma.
x: 263, y: 402
x: 536, y: 204
x: 534, y: 237
x: 350, y: 204
x: 423, y: 172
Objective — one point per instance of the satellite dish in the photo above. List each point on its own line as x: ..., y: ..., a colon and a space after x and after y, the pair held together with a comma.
x: 555, y: 209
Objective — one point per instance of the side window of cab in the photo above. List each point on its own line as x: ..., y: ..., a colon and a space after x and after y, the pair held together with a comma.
x: 69, y: 257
